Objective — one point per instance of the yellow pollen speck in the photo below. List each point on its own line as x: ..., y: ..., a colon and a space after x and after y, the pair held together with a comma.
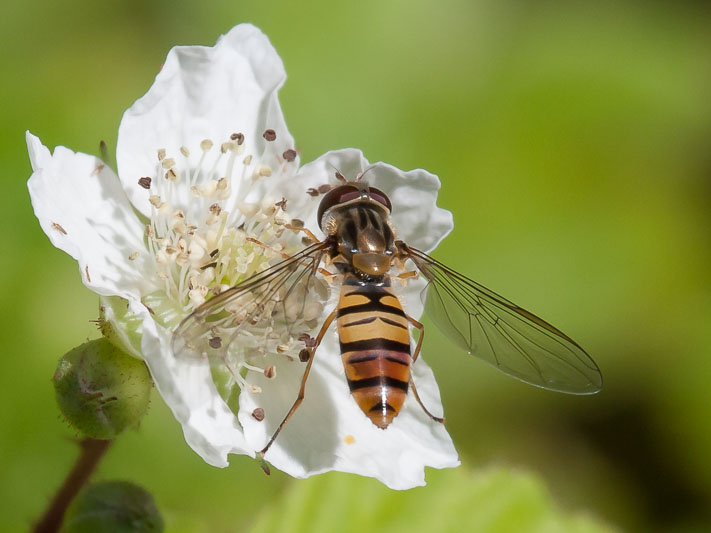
x: 349, y: 439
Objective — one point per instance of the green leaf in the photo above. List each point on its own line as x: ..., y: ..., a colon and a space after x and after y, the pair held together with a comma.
x: 488, y: 501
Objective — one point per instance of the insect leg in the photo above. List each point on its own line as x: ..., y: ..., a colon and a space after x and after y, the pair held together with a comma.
x: 421, y: 328
x: 308, y: 233
x: 409, y: 274
x: 300, y: 397
x: 267, y: 247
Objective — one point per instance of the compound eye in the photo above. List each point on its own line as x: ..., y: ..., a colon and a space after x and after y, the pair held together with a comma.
x: 339, y: 195
x: 380, y: 197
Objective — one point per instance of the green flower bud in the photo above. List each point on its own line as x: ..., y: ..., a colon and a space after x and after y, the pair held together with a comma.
x: 113, y: 507
x: 101, y: 390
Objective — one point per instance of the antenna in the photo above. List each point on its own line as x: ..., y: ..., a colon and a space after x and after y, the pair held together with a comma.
x: 339, y: 176
x: 360, y: 175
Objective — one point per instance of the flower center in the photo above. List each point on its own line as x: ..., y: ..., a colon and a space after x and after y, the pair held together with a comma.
x: 210, y: 228
x: 203, y: 235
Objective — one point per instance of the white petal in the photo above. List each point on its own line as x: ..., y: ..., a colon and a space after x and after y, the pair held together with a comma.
x: 205, y: 93
x: 84, y: 211
x: 209, y: 426
x: 416, y: 218
x: 330, y: 432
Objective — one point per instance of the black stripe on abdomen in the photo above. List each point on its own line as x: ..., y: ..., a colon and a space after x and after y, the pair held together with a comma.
x: 370, y: 307
x: 383, y: 381
x: 372, y: 356
x: 372, y: 319
x: 377, y: 343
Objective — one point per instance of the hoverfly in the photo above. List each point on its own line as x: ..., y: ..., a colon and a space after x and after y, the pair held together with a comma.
x: 373, y: 327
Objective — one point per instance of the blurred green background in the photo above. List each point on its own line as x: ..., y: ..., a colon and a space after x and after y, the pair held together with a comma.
x: 573, y: 141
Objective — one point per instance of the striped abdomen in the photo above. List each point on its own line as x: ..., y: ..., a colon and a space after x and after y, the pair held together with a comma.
x: 375, y: 348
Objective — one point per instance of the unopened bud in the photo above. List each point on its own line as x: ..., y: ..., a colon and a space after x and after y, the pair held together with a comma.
x: 101, y: 390
x: 113, y: 506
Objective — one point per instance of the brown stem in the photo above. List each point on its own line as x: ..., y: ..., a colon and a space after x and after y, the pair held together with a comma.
x: 92, y: 450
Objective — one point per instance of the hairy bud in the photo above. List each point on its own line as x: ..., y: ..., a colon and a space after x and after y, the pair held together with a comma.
x: 101, y: 390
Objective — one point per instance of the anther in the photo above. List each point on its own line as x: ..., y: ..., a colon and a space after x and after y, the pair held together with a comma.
x: 184, y: 150
x: 171, y: 175
x: 145, y: 182
x: 270, y: 372
x: 269, y: 135
x: 239, y: 137
x: 205, y: 145
x: 208, y: 188
x: 167, y: 163
x: 133, y: 256
x: 248, y: 210
x: 248, y: 159
x: 289, y: 155
x: 161, y: 154
x: 258, y: 414
x: 265, y: 171
x: 304, y: 355
x: 215, y: 342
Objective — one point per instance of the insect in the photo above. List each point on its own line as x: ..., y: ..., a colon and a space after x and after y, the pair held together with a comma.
x: 373, y: 327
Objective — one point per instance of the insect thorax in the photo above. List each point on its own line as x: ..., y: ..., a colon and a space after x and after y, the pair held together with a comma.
x: 363, y: 239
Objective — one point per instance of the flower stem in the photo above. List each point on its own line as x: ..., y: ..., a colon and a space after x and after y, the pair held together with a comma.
x: 92, y: 450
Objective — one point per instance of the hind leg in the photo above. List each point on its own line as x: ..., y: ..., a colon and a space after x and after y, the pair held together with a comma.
x: 421, y: 328
x: 310, y: 350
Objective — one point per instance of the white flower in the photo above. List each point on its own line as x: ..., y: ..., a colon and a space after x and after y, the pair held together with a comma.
x: 204, y: 160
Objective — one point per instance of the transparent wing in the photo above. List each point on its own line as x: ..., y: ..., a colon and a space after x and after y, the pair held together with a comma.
x: 501, y: 333
x: 263, y: 314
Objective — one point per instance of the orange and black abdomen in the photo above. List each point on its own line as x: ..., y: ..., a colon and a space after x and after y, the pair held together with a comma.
x: 375, y: 347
